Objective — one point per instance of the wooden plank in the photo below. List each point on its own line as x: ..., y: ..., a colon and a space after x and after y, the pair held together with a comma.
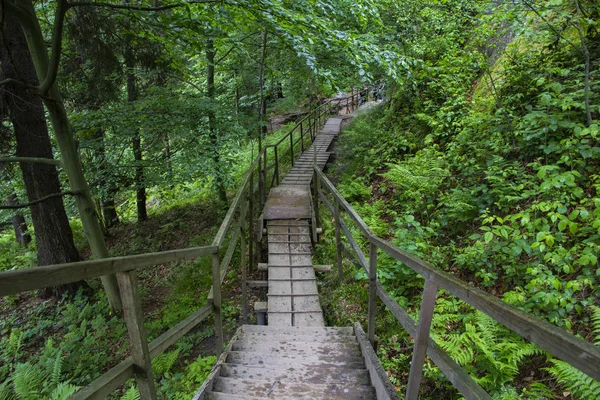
x: 372, y: 292
x: 338, y: 240
x: 12, y: 282
x: 421, y: 340
x: 577, y: 352
x: 355, y: 217
x: 138, y: 342
x: 107, y: 383
x: 454, y: 372
x: 216, y: 285
x: 170, y: 337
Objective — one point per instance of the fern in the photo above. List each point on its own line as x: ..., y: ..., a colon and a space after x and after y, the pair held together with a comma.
x: 596, y: 324
x: 63, y: 391
x: 580, y: 385
x: 489, y: 351
x: 56, y: 370
x: 163, y: 363
x: 28, y: 380
x: 6, y: 392
x: 131, y: 394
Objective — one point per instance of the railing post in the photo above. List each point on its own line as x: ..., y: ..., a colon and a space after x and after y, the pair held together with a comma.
x: 261, y: 184
x: 338, y: 238
x: 301, y: 137
x: 134, y: 319
x: 372, y: 291
x: 216, y: 277
x: 251, y: 221
x: 244, y: 272
x: 421, y: 340
x: 265, y: 159
x: 276, y: 165
x: 292, y: 146
x: 316, y: 195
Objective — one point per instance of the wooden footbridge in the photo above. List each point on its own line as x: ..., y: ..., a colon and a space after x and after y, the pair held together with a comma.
x: 294, y: 356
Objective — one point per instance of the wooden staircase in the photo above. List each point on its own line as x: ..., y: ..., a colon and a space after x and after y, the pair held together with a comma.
x: 292, y: 363
x: 296, y: 356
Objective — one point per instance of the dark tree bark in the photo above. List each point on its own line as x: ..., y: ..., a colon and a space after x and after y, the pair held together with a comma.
x: 108, y: 191
x: 51, y: 226
x: 212, y: 119
x: 22, y: 236
x: 140, y: 186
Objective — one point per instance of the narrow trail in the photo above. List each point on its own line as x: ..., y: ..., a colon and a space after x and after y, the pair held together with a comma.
x: 295, y: 356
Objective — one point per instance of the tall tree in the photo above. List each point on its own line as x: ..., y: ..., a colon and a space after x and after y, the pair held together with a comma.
x: 46, y: 70
x: 212, y: 118
x: 53, y: 234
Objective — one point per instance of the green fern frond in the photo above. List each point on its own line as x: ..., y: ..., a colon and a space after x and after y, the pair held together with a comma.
x: 28, y: 380
x: 596, y: 324
x: 164, y: 362
x: 131, y: 394
x: 57, y: 369
x: 6, y: 392
x: 63, y: 391
x: 581, y: 385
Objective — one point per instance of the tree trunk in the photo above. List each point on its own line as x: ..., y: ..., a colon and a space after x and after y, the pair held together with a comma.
x: 54, y: 238
x: 22, y: 236
x: 262, y: 105
x: 140, y: 186
x: 25, y: 13
x: 107, y: 190
x: 212, y: 119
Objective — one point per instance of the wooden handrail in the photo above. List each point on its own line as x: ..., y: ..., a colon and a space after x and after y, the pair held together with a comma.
x: 563, y: 345
x: 12, y: 282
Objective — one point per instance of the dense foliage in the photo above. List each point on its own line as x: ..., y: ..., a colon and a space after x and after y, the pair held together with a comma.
x: 483, y: 160
x: 484, y: 163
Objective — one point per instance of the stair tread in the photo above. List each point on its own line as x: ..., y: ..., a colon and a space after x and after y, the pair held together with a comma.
x: 298, y: 373
x: 274, y: 389
x: 296, y: 347
x: 300, y: 330
x: 292, y: 337
x: 334, y: 359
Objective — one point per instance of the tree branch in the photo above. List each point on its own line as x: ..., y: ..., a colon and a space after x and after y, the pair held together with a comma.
x: 35, y: 160
x: 57, y: 35
x: 586, y: 53
x: 40, y: 200
x: 138, y: 8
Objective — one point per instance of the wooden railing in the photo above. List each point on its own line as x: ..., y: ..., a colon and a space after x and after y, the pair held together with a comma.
x: 238, y: 226
x: 577, y: 352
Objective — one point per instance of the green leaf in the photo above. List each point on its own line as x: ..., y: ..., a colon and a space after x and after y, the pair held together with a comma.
x: 562, y: 225
x: 573, y: 228
x: 488, y: 237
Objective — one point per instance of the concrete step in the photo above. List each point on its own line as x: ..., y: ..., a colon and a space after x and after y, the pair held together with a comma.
x: 298, y: 337
x: 329, y: 331
x: 279, y: 360
x: 296, y: 347
x: 298, y: 374
x: 273, y: 388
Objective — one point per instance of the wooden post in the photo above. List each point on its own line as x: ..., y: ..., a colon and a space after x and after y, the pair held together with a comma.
x: 244, y: 272
x: 338, y: 238
x: 316, y: 195
x: 292, y: 146
x: 266, y: 189
x: 372, y: 291
x: 276, y: 165
x: 134, y: 319
x: 421, y: 340
x: 251, y: 222
x: 216, y: 277
x: 301, y: 137
x: 260, y: 182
